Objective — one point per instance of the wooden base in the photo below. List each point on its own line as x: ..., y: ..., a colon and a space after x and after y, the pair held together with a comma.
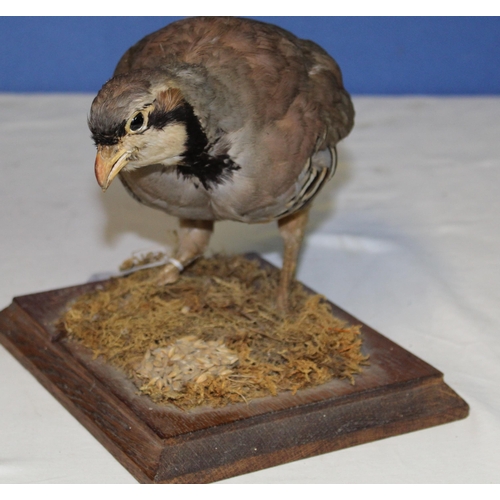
x: 397, y: 393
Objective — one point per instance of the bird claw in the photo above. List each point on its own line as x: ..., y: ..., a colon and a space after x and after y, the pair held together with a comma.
x: 169, y: 274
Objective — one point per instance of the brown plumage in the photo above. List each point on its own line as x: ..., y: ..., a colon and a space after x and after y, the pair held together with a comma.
x: 222, y: 118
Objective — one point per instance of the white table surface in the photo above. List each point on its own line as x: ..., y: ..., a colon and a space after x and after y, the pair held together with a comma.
x: 406, y: 238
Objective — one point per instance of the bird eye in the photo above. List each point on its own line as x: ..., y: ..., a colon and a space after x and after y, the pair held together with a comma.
x: 137, y: 122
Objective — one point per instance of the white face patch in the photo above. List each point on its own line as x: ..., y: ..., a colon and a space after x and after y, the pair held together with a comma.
x: 154, y: 147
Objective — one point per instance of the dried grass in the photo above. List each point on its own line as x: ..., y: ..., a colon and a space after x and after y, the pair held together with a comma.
x: 228, y: 299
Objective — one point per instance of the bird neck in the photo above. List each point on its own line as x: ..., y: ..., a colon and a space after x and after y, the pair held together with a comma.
x: 197, y: 162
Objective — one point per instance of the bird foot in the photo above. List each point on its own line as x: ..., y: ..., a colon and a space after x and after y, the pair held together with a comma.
x: 168, y: 275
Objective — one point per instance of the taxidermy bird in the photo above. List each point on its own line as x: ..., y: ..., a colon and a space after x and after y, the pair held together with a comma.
x: 222, y: 119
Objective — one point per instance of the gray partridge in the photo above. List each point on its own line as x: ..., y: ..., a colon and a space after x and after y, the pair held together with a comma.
x: 222, y: 119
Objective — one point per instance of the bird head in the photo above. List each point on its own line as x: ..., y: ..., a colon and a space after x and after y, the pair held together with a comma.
x: 137, y: 121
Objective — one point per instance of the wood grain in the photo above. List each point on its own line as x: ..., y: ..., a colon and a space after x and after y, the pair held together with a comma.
x: 397, y: 393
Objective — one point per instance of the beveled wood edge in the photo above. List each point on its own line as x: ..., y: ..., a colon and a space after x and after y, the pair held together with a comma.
x: 450, y: 407
x: 57, y: 300
x: 157, y: 449
x: 98, y: 393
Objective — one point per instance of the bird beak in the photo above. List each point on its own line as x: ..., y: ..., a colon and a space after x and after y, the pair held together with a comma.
x: 108, y: 162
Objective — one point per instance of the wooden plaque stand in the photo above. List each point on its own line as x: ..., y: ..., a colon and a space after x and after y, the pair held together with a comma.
x: 395, y: 394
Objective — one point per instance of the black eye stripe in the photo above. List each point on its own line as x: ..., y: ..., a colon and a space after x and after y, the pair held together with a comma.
x: 159, y: 118
x: 108, y: 136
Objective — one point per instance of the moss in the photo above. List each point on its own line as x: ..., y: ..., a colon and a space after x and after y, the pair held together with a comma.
x: 221, y: 298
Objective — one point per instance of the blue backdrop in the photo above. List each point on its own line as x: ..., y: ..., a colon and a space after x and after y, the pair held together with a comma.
x: 378, y: 55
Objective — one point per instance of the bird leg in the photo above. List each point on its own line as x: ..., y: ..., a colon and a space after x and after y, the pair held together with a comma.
x: 194, y: 236
x: 292, y: 230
